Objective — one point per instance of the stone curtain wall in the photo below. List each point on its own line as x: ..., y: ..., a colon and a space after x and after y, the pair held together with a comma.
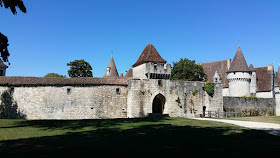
x: 70, y: 102
x: 249, y: 106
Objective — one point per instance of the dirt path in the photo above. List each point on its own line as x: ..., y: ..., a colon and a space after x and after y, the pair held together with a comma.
x: 270, y: 128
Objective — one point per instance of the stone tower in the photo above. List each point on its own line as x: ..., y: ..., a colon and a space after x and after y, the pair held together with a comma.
x: 151, y: 65
x: 253, y: 84
x: 239, y: 76
x: 111, y: 70
x: 217, y: 78
x: 3, y: 68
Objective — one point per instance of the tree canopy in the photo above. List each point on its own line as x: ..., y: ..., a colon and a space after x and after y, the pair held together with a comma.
x: 54, y: 75
x: 12, y: 5
x: 79, y: 68
x: 187, y: 70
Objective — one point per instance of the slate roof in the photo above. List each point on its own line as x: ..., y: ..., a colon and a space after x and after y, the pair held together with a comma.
x: 264, y: 78
x: 45, y: 81
x: 277, y: 78
x: 113, y: 70
x: 220, y: 66
x: 238, y: 63
x: 2, y: 64
x: 129, y: 73
x: 149, y: 54
x: 251, y: 67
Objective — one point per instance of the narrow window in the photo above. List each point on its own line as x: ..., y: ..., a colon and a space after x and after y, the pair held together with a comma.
x: 160, y: 82
x: 118, y: 91
x: 68, y: 91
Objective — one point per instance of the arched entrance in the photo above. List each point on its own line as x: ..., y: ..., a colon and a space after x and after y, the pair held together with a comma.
x: 158, y: 104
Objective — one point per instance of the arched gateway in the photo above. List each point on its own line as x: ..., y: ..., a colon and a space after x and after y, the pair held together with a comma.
x: 158, y: 104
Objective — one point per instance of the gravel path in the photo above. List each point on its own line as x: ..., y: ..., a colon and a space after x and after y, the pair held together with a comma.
x: 271, y: 128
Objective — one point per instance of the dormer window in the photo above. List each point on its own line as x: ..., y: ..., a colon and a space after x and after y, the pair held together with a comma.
x: 108, y: 69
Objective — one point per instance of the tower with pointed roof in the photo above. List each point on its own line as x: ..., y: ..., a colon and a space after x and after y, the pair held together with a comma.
x: 150, y: 65
x: 239, y: 76
x: 111, y: 70
x: 3, y: 68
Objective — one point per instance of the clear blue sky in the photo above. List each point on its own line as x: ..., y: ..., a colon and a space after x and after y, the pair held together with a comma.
x: 55, y: 32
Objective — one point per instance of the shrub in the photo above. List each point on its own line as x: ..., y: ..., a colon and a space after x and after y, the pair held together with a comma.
x: 209, y: 88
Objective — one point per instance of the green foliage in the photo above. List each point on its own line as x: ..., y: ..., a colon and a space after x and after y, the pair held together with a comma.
x: 55, y: 75
x: 209, y: 88
x: 79, y: 68
x: 187, y: 70
x: 194, y: 92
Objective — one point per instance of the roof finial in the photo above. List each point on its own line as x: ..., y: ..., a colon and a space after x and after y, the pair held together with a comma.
x: 112, y: 53
x: 238, y: 43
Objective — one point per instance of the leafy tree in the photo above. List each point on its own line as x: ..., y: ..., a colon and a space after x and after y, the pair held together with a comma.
x: 209, y: 88
x: 54, y: 75
x: 79, y: 68
x: 11, y: 4
x: 187, y: 70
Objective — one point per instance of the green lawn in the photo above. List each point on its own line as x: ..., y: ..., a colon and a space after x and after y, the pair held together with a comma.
x: 267, y: 119
x: 132, y: 137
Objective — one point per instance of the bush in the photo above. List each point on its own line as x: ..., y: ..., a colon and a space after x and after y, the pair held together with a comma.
x: 209, y: 88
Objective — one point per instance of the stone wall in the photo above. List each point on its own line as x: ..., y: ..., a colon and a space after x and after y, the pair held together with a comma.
x: 69, y: 102
x: 277, y: 102
x: 182, y: 98
x: 249, y: 106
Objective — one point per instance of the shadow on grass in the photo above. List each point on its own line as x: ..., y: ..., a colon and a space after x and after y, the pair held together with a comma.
x: 144, y: 140
x: 79, y: 124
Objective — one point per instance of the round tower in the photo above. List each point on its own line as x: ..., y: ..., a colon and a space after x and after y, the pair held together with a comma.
x: 239, y: 76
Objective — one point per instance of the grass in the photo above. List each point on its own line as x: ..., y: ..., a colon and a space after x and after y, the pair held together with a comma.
x: 266, y: 119
x: 131, y: 137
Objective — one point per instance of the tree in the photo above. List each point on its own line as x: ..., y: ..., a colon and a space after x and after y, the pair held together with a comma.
x: 187, y: 70
x: 79, y: 68
x: 11, y: 4
x: 54, y: 75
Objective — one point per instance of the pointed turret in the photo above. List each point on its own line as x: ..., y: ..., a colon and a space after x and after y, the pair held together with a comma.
x: 149, y: 54
x: 251, y: 67
x: 111, y: 70
x: 3, y: 68
x: 239, y: 63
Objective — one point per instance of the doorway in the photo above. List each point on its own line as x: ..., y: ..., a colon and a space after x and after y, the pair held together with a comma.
x: 158, y: 104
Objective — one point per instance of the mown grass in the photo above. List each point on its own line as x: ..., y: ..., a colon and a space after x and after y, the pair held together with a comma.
x: 131, y: 137
x: 266, y: 119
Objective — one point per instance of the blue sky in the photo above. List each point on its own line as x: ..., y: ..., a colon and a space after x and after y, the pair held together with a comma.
x: 55, y: 32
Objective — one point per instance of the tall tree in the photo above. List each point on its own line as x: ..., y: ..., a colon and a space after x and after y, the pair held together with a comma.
x: 12, y: 5
x: 54, y: 75
x: 187, y: 70
x: 79, y: 68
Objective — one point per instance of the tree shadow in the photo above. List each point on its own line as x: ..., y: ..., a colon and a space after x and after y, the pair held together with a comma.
x: 157, y: 139
x: 9, y: 108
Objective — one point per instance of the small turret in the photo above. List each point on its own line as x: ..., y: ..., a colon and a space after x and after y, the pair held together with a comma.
x: 217, y: 78
x: 111, y: 70
x: 253, y: 84
x: 3, y: 68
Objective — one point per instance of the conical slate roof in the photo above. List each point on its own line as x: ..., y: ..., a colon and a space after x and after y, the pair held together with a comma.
x: 111, y: 70
x: 149, y: 54
x: 239, y: 63
x: 251, y: 67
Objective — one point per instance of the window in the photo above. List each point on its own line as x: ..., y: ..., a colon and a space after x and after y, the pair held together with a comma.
x: 160, y: 82
x: 118, y: 91
x: 68, y: 91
